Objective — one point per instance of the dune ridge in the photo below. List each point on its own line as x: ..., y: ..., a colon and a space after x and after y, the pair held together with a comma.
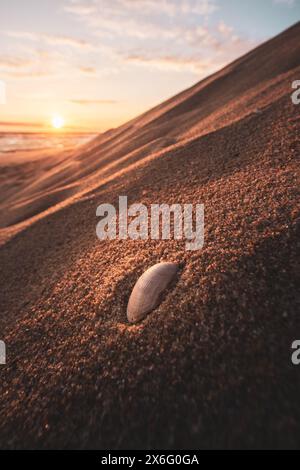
x: 211, y: 366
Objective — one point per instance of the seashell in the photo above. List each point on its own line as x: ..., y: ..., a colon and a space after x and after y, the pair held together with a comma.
x: 146, y: 294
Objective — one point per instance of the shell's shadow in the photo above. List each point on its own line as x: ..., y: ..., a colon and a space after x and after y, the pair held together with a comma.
x: 121, y: 294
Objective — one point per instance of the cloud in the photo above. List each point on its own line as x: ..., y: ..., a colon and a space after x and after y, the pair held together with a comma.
x: 139, y: 19
x: 91, y: 101
x: 121, y: 7
x: 38, y: 63
x: 32, y: 63
x: 79, y: 9
x: 88, y: 70
x: 12, y: 62
x: 216, y: 52
x: 224, y: 29
x: 67, y: 41
x: 21, y: 67
x: 46, y: 59
x: 130, y: 30
x: 171, y: 8
x: 59, y: 40
x: 168, y: 62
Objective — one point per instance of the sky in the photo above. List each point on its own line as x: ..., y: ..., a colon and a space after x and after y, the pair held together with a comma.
x: 98, y: 63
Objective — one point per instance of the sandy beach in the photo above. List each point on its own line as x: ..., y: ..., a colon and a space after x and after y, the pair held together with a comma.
x: 210, y: 367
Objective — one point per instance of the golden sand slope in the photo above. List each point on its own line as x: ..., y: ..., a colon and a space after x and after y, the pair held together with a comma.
x: 211, y: 366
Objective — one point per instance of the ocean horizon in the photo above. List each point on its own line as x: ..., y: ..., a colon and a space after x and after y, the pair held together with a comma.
x: 11, y: 142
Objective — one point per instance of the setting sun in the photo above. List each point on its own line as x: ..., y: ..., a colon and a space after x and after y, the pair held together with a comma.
x: 58, y: 122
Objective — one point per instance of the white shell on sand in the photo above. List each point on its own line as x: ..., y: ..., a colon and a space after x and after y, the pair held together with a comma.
x: 146, y: 293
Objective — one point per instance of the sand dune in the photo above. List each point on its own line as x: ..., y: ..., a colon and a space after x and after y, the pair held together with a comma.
x: 211, y: 366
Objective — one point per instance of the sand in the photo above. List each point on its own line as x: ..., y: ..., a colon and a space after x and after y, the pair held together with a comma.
x: 211, y: 366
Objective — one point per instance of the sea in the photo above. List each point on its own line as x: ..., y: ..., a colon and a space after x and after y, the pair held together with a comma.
x: 14, y: 142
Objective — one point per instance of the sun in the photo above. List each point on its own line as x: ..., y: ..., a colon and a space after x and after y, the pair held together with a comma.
x: 58, y: 122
